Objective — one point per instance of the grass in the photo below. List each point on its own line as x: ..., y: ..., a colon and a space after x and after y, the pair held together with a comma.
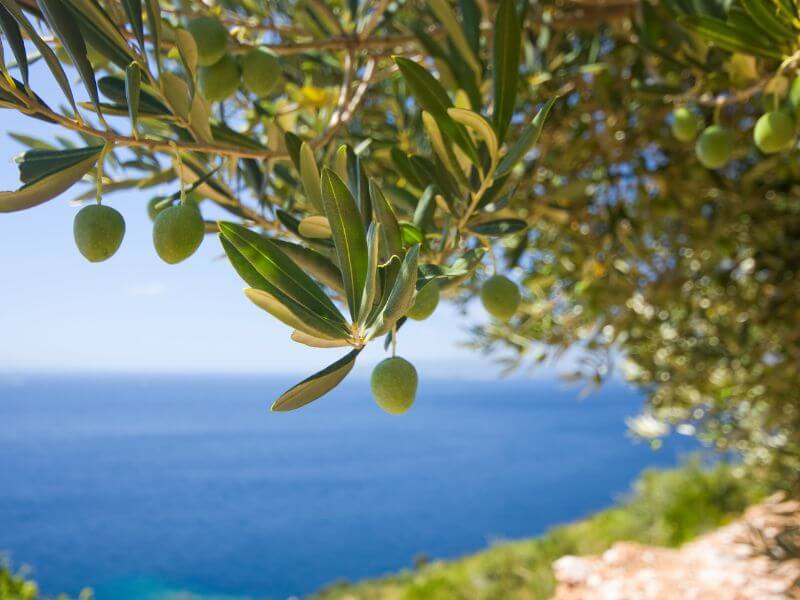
x: 665, y: 508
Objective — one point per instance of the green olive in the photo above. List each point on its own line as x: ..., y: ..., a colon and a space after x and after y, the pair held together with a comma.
x: 714, y: 146
x: 394, y: 385
x: 501, y: 297
x: 774, y: 132
x: 98, y: 232
x: 211, y: 38
x: 178, y: 232
x: 220, y: 80
x: 425, y: 303
x: 261, y: 71
x: 685, y: 124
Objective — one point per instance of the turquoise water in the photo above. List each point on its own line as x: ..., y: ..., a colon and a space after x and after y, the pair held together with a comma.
x: 162, y: 488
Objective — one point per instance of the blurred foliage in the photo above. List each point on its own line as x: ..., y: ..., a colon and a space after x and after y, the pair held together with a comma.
x: 665, y: 508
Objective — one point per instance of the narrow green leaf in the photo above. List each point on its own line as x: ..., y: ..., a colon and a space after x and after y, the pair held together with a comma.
x: 293, y: 145
x: 765, y: 16
x: 730, y: 38
x: 349, y: 236
x: 176, y: 92
x: 402, y: 161
x: 447, y: 17
x: 432, y: 97
x: 371, y: 283
x: 340, y: 163
x: 48, y: 186
x: 301, y: 337
x: 10, y: 29
x: 526, y: 141
x: 400, y: 298
x: 113, y: 88
x: 38, y: 163
x: 282, y: 311
x: 133, y: 83
x: 391, y: 241
x: 499, y: 227
x: 314, y: 263
x: 187, y: 48
x: 133, y: 10
x: 153, y: 11
x: 49, y: 56
x: 317, y: 385
x: 507, y: 44
x: 301, y: 315
x: 480, y: 126
x: 309, y: 173
x: 277, y: 268
x: 426, y: 207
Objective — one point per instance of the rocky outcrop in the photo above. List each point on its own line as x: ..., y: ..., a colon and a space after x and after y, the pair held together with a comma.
x: 757, y: 557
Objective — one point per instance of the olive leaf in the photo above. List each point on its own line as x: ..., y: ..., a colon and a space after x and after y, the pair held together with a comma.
x: 314, y: 263
x: 49, y: 174
x: 153, y: 11
x: 133, y: 90
x: 371, y: 283
x: 283, y: 276
x: 432, y: 97
x: 62, y: 23
x: 349, y: 236
x: 526, y: 141
x: 507, y: 44
x: 309, y: 173
x: 391, y: 241
x: 480, y: 126
x: 400, y: 298
x: 317, y: 385
x: 133, y: 10
x: 101, y: 32
x: 47, y: 54
x: 114, y: 89
x: 447, y: 17
x: 10, y: 29
x: 301, y: 337
x: 283, y: 312
x: 176, y: 92
x: 498, y: 227
x: 442, y: 148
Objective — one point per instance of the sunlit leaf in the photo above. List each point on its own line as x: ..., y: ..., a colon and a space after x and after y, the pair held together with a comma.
x: 317, y: 385
x: 348, y: 235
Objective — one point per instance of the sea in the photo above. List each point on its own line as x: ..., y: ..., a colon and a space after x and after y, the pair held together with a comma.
x: 168, y: 487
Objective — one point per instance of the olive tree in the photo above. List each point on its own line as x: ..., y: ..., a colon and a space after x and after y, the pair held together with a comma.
x: 613, y: 176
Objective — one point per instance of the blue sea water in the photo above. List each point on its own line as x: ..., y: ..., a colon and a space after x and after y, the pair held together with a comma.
x: 149, y: 488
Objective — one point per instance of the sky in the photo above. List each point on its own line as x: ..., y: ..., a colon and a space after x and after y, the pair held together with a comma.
x: 60, y: 313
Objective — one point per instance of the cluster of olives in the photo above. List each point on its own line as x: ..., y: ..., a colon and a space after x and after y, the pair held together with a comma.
x: 220, y: 72
x: 394, y: 380
x: 177, y: 231
x: 774, y: 132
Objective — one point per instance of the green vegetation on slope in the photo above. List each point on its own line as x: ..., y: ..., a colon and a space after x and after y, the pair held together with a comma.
x: 665, y: 508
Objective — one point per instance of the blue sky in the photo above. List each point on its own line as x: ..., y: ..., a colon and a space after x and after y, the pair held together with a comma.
x: 59, y: 312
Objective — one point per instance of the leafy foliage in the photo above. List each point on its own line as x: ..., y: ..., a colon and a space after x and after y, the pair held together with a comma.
x: 386, y: 144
